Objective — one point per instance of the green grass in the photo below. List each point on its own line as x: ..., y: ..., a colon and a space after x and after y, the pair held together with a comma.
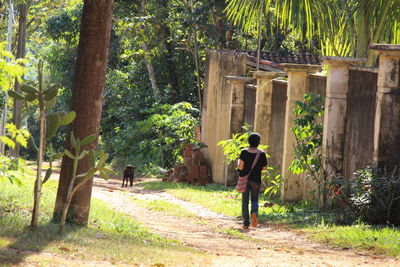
x: 110, y: 235
x: 213, y: 196
x: 302, y: 216
x: 378, y: 240
x: 226, y: 200
x: 234, y: 233
x: 167, y: 207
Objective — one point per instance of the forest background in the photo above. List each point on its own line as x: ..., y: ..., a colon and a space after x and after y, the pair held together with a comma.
x: 156, y: 63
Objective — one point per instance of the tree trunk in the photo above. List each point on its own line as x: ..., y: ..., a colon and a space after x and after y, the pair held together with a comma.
x: 17, y: 110
x: 197, y: 60
x: 87, y: 102
x: 173, y: 76
x: 150, y: 70
x: 149, y: 65
x: 219, y: 22
x: 37, y: 192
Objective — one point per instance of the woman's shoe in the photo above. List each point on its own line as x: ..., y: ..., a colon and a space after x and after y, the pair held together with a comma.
x: 245, y: 227
x: 254, y: 220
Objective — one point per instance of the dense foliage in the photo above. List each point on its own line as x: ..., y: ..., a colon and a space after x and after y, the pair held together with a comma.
x: 373, y: 196
x: 155, y: 141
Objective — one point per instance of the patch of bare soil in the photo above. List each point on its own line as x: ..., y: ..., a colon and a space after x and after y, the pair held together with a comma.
x: 29, y: 258
x: 270, y: 245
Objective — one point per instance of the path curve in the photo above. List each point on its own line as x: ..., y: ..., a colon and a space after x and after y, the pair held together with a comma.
x: 275, y: 246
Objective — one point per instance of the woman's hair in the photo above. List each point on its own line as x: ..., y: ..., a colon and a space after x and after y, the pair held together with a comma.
x: 254, y: 139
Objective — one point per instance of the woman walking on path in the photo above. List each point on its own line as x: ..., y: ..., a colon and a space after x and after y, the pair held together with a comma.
x: 246, y: 159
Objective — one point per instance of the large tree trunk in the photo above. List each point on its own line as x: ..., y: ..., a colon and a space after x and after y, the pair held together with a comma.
x: 149, y: 65
x: 17, y: 110
x: 87, y: 101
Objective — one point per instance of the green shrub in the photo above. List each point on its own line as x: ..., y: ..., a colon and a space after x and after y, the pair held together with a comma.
x: 373, y: 195
x: 308, y: 130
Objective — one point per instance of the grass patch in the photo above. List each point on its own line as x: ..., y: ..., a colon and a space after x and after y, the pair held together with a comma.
x: 213, y: 196
x: 378, y: 240
x: 303, y: 216
x: 166, y: 207
x: 234, y: 233
x: 110, y: 236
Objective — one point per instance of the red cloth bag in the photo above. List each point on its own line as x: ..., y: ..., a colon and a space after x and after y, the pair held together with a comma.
x: 242, y: 182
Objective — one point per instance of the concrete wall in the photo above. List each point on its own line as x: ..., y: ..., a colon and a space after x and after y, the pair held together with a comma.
x: 361, y: 101
x: 317, y: 85
x: 275, y: 150
x: 249, y: 104
x: 215, y: 125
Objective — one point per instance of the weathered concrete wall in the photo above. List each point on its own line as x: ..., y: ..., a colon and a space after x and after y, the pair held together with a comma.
x: 317, y: 85
x: 215, y: 125
x: 275, y: 150
x: 361, y: 101
x: 295, y: 186
x: 249, y: 104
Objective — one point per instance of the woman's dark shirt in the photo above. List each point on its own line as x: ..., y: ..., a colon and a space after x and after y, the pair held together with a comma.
x: 248, y: 159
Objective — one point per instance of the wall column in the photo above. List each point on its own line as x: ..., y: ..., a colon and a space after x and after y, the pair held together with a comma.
x: 335, y: 112
x: 262, y: 117
x: 297, y: 87
x: 387, y: 114
x: 236, y: 117
x: 237, y: 102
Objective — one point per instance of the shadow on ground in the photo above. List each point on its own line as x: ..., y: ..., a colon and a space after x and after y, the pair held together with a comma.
x: 32, y: 241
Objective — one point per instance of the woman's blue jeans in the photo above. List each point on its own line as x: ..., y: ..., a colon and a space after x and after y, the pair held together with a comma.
x: 252, y: 191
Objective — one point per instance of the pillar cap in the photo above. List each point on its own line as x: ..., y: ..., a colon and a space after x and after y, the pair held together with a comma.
x: 267, y: 75
x: 390, y: 49
x: 239, y: 79
x: 328, y: 60
x: 290, y: 67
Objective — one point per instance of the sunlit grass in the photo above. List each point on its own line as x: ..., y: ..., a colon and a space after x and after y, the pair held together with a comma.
x: 166, y: 207
x: 378, y: 240
x: 215, y: 197
x: 234, y: 233
x: 110, y: 236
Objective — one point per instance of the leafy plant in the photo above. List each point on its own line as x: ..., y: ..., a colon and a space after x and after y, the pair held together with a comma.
x: 273, y: 182
x: 10, y: 164
x: 234, y: 146
x: 46, y: 99
x: 308, y: 131
x: 372, y: 195
x: 14, y: 135
x: 77, y: 155
x: 9, y: 68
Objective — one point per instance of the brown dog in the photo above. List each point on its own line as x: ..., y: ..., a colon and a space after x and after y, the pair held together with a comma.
x: 129, y: 173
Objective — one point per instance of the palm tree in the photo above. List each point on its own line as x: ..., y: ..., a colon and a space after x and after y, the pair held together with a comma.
x: 344, y: 28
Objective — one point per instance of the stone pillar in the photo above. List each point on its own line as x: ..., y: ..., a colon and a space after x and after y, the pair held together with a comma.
x: 262, y: 117
x: 335, y: 112
x: 297, y: 86
x: 237, y: 102
x: 387, y: 114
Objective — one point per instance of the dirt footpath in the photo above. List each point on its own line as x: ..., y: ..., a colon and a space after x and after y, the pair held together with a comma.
x: 268, y: 245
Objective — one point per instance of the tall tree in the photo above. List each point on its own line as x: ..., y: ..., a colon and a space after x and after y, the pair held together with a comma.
x: 87, y: 101
x: 17, y: 110
x: 146, y: 49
